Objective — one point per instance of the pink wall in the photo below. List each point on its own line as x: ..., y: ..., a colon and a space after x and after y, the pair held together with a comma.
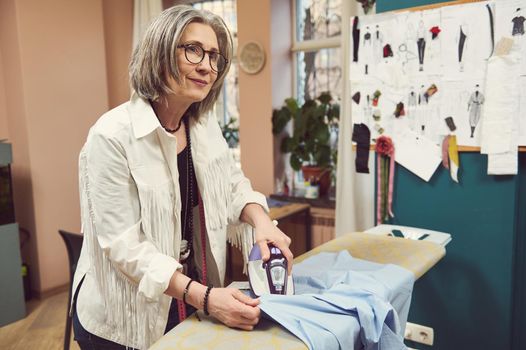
x: 267, y: 22
x: 55, y: 84
x: 118, y: 27
x: 4, y: 132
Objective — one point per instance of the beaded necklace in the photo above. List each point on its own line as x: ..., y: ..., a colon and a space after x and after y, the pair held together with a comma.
x: 186, y: 244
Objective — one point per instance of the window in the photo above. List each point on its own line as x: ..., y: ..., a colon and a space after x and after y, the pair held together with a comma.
x: 227, y: 105
x: 316, y: 43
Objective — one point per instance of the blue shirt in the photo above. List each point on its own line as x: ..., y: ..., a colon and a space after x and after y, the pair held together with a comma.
x: 344, y: 303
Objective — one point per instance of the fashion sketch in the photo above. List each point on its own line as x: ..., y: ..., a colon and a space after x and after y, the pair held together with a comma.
x: 518, y: 23
x: 423, y: 100
x: 475, y: 108
x: 421, y: 44
x: 355, y: 38
x: 378, y: 44
x: 367, y: 49
x: 406, y: 51
x: 461, y: 39
x: 411, y: 107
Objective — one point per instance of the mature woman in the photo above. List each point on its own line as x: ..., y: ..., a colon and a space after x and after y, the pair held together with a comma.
x: 160, y: 195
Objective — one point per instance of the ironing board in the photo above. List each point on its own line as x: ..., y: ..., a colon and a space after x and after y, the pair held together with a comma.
x: 207, y: 333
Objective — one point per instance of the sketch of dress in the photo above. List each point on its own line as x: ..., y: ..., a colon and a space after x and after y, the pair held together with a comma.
x: 518, y: 23
x: 423, y: 100
x: 462, y: 38
x: 475, y: 108
x: 378, y: 41
x: 367, y: 49
x: 355, y: 38
x: 421, y: 44
x: 411, y: 107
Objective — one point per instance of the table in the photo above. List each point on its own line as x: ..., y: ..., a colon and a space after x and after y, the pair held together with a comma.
x: 294, y: 209
x: 284, y: 215
x: 207, y: 333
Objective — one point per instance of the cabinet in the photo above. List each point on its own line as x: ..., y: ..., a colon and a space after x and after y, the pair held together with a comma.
x: 12, y: 303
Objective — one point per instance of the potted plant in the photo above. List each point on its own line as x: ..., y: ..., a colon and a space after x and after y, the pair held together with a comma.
x: 231, y: 132
x: 309, y: 144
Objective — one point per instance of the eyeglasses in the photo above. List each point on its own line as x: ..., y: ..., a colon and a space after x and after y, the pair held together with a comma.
x: 195, y: 54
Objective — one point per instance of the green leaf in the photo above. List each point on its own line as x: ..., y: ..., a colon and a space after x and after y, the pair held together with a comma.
x: 300, y: 123
x: 323, y: 156
x: 287, y: 144
x: 325, y: 97
x: 322, y: 134
x: 280, y: 118
x: 295, y: 162
x: 319, y: 112
x: 308, y: 105
x: 334, y: 112
x: 292, y: 105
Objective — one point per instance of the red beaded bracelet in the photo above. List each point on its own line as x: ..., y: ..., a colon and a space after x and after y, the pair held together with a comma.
x: 205, y: 303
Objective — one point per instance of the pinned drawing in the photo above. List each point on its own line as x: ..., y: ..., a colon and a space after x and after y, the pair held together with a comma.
x: 518, y: 23
x: 475, y: 108
x: 421, y: 44
x: 462, y: 43
x: 467, y: 41
x: 368, y: 50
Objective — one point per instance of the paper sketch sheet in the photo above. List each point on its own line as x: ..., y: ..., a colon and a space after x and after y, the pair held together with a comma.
x: 412, y: 70
x: 463, y: 101
x: 510, y: 23
x: 420, y: 41
x: 466, y: 41
x: 416, y: 153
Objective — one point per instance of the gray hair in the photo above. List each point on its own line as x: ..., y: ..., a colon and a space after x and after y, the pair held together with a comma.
x: 154, y: 57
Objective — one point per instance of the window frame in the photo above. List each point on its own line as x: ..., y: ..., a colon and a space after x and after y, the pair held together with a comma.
x: 317, y: 45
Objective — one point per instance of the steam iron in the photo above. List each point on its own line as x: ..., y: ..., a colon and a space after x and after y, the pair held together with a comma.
x: 269, y: 277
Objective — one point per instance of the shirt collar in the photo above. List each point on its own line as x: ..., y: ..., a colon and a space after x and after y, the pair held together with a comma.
x: 142, y: 116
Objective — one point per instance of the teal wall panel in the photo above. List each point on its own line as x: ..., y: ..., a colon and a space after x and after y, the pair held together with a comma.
x: 475, y: 298
x: 519, y: 298
x: 389, y: 5
x: 471, y: 288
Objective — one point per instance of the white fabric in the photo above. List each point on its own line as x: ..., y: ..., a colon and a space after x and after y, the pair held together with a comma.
x: 143, y: 12
x: 355, y: 192
x: 130, y: 207
x: 499, y: 133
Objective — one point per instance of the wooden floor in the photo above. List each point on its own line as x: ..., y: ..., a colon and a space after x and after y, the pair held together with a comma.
x: 43, y: 327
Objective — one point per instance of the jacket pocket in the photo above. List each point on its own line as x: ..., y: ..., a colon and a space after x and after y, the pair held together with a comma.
x: 158, y: 205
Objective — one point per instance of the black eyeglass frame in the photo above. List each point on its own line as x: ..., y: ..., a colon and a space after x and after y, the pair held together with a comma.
x: 209, y: 52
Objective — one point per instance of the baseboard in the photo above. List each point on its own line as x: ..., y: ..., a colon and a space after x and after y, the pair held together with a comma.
x: 50, y: 292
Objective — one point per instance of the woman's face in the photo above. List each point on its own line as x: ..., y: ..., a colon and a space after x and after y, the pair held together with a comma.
x: 196, y: 79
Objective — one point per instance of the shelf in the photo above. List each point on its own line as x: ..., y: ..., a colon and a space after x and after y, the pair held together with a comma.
x: 326, y: 202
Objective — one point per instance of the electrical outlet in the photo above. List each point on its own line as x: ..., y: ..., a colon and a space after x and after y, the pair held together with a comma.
x: 418, y: 333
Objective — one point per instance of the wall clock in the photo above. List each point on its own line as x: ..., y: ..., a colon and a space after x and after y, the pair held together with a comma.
x: 251, y: 57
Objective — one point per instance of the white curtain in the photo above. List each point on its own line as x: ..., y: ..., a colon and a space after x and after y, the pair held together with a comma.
x: 143, y: 12
x: 354, y: 192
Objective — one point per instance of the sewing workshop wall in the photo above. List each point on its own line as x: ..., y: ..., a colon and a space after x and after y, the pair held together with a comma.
x: 422, y: 73
x: 475, y: 297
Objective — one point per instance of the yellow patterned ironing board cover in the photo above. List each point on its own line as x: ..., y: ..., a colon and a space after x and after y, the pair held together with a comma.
x: 416, y: 256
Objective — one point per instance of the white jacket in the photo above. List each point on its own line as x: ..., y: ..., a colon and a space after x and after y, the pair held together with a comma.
x: 130, y: 208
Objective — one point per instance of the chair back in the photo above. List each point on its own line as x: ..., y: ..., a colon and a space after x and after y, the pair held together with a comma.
x: 73, y: 243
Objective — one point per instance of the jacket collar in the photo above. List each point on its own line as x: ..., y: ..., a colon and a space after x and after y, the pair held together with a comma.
x: 142, y: 116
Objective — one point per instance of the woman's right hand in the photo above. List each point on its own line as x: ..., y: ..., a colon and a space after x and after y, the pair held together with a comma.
x: 233, y: 308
